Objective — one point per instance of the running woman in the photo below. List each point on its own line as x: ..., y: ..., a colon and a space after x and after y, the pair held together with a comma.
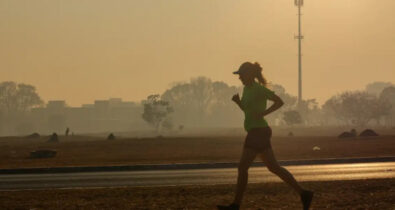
x: 257, y: 141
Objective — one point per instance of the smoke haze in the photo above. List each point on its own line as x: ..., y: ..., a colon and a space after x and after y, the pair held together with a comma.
x: 80, y: 51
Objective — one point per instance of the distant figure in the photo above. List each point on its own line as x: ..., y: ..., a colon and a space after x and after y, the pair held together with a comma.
x: 67, y: 132
x: 54, y: 138
x: 290, y: 134
x: 257, y: 141
x: 111, y: 136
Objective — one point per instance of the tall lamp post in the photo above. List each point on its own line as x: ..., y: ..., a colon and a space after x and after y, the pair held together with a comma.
x: 299, y: 37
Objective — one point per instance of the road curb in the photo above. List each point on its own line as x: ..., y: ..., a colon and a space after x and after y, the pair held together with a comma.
x: 179, y: 166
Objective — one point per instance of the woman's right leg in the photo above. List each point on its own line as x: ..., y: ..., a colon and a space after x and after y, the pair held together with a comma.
x: 246, y: 160
x: 271, y: 163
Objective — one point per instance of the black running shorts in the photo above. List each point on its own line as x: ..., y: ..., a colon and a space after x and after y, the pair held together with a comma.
x: 258, y: 139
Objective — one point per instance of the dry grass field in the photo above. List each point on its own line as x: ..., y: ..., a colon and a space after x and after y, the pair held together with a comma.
x: 335, y: 195
x: 93, y: 151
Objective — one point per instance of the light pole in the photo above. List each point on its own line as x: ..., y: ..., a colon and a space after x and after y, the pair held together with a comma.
x: 299, y: 37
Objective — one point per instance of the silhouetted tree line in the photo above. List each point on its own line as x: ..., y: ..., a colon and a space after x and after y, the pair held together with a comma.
x: 202, y: 102
x: 361, y: 107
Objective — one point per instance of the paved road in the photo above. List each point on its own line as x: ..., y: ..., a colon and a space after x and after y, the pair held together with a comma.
x: 193, y: 176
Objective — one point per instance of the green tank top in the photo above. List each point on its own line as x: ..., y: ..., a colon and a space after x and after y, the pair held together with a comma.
x: 254, y: 101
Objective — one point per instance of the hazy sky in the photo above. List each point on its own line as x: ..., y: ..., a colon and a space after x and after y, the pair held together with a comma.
x: 81, y: 50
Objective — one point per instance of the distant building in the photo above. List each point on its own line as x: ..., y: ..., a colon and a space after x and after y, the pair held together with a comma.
x: 101, y: 116
x: 56, y: 107
x: 88, y: 105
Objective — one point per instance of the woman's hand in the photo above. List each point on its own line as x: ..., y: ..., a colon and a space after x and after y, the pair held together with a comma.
x: 236, y: 98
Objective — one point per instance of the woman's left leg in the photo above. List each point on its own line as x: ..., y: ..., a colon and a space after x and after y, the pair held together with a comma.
x: 247, y: 158
x: 271, y: 163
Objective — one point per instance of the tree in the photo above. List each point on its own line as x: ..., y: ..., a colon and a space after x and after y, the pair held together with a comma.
x: 223, y: 111
x: 16, y: 98
x: 381, y: 107
x: 356, y: 108
x: 292, y: 117
x: 156, y: 111
x: 15, y: 101
x: 309, y: 111
x: 1, y: 121
x: 195, y: 99
x: 388, y: 95
x: 202, y: 102
x: 376, y: 88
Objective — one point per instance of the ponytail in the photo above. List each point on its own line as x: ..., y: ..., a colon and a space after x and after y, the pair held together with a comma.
x: 258, y: 74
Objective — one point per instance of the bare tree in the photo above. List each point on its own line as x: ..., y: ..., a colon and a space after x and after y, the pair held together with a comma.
x: 156, y: 111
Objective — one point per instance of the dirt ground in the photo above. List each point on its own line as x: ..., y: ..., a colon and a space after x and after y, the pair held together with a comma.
x: 357, y: 194
x: 91, y: 151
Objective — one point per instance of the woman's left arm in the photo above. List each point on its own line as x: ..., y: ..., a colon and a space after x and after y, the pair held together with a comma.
x: 278, y: 102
